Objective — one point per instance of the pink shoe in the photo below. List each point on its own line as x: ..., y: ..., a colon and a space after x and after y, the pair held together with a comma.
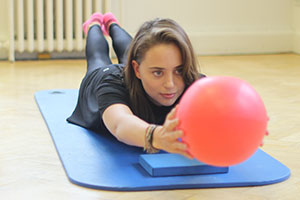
x: 108, y: 19
x: 96, y: 17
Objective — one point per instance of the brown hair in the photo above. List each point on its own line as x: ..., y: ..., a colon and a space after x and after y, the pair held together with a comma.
x: 151, y: 33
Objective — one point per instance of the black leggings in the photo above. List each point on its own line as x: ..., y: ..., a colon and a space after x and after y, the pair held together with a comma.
x: 97, y: 49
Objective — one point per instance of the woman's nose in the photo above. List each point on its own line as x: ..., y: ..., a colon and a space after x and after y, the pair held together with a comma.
x: 169, y: 81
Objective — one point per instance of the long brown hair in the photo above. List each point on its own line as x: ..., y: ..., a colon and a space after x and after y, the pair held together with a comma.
x: 151, y: 33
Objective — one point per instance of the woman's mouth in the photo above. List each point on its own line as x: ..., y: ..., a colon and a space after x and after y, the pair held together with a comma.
x: 168, y: 95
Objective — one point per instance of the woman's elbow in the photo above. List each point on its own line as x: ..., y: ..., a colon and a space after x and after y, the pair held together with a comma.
x: 118, y: 133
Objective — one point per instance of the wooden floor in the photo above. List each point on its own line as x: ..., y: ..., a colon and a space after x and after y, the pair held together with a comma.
x: 30, y: 167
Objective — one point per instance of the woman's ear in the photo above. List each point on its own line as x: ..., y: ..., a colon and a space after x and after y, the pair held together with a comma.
x: 136, y: 68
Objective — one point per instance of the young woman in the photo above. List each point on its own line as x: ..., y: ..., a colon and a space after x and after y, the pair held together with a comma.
x: 136, y: 99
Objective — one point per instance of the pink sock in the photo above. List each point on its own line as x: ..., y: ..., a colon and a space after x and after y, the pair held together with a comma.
x: 96, y: 17
x: 108, y: 18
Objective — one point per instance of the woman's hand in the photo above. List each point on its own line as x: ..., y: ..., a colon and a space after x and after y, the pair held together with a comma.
x: 166, y: 137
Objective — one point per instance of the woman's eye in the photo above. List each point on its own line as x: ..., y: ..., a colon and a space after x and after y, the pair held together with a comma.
x: 178, y: 71
x: 157, y: 73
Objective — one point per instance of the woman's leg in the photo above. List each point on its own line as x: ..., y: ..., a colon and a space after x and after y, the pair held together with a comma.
x: 97, y: 49
x: 120, y: 41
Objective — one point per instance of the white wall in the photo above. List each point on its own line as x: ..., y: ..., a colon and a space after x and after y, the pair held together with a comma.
x: 214, y: 26
x: 296, y: 26
x: 4, y: 34
x: 221, y: 27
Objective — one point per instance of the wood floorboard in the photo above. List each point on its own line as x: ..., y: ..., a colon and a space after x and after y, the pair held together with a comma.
x: 30, y: 167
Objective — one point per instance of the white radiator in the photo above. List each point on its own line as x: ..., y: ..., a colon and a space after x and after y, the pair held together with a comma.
x: 49, y: 25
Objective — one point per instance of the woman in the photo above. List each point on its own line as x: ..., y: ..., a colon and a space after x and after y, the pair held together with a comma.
x: 136, y: 99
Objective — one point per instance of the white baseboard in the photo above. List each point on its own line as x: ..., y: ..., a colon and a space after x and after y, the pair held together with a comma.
x: 226, y: 43
x: 296, y: 42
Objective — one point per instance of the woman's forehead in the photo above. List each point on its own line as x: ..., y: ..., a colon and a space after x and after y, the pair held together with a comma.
x: 163, y: 56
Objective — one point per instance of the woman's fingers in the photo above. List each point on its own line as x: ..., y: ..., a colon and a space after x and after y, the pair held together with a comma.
x: 174, y: 145
x: 175, y: 134
x: 170, y: 125
x: 181, y: 148
x: 172, y: 114
x: 171, y: 121
x: 169, y: 136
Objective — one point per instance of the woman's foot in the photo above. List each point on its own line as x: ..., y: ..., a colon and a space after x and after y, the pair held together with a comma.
x: 108, y: 19
x: 96, y: 18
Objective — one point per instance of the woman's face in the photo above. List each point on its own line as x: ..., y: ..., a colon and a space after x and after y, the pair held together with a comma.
x: 160, y: 73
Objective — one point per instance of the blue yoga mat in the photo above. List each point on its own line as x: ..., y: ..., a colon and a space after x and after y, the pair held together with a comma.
x: 100, y: 161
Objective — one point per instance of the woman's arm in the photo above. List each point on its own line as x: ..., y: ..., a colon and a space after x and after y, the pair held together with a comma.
x: 130, y: 129
x: 124, y: 125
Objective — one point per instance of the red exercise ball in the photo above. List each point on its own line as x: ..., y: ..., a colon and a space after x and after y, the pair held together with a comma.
x: 223, y: 119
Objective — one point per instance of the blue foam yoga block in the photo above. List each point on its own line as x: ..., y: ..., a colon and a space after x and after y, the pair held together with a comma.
x: 166, y: 164
x: 100, y: 161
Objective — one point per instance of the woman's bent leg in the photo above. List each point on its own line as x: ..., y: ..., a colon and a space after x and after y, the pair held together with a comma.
x: 120, y: 41
x: 97, y: 49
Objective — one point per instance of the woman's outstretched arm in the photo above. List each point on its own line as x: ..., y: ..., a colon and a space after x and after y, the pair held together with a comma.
x: 130, y: 129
